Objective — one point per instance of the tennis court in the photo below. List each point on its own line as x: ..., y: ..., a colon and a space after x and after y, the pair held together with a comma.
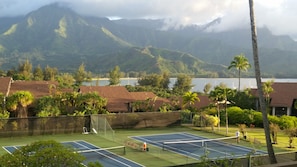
x: 195, y: 146
x: 106, y: 156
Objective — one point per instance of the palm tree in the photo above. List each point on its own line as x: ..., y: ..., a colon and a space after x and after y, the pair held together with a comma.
x: 214, y: 95
x: 241, y: 63
x: 267, y: 89
x: 220, y: 96
x: 224, y: 93
x: 259, y: 84
x: 189, y: 98
x: 4, y: 114
x: 18, y: 102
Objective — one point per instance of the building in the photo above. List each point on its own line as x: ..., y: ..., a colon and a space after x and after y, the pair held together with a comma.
x: 283, y: 98
x: 38, y: 88
x: 119, y: 99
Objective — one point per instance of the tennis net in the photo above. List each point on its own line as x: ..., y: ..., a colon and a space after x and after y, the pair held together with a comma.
x: 103, y: 152
x: 200, y: 143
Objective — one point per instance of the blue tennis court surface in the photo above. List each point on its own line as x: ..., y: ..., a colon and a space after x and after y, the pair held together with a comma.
x: 93, y: 154
x: 177, y: 142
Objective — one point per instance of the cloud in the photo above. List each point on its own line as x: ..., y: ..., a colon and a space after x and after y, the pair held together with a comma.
x: 10, y: 8
x: 277, y: 15
x: 280, y: 18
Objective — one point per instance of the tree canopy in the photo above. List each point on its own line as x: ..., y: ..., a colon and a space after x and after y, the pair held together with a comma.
x: 241, y: 63
x: 183, y: 83
x: 18, y: 103
x: 42, y: 153
x: 114, y: 76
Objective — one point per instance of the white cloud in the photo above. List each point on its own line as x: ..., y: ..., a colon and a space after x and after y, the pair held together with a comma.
x: 278, y: 15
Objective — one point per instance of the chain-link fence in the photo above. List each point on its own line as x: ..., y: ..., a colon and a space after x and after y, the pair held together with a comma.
x: 74, y: 124
x: 143, y: 120
x: 42, y: 125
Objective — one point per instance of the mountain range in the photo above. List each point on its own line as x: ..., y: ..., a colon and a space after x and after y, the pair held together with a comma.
x: 59, y: 37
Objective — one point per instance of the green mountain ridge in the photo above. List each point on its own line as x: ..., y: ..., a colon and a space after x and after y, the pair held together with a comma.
x: 149, y: 60
x: 59, y: 37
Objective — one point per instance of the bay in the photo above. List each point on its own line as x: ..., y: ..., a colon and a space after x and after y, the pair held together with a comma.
x: 199, y: 83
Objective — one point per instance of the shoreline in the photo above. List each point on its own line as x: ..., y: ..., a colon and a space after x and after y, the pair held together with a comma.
x: 104, y: 79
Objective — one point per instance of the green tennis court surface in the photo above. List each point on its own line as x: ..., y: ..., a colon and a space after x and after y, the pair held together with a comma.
x: 195, y: 146
x: 106, y: 156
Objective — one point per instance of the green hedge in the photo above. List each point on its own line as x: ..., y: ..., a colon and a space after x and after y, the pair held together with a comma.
x: 237, y: 116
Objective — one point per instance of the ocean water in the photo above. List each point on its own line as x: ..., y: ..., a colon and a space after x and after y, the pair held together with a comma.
x: 199, y: 83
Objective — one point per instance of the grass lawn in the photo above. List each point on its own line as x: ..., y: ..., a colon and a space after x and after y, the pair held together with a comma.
x: 155, y: 156
x: 256, y: 137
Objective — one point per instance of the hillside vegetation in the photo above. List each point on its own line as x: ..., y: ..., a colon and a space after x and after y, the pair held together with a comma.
x: 59, y: 37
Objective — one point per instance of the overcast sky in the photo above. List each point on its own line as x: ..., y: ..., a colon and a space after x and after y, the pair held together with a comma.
x: 279, y: 16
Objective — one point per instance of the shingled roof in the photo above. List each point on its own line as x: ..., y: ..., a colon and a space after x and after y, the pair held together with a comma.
x: 156, y: 102
x: 204, y: 101
x: 5, y: 85
x: 37, y: 88
x: 142, y: 95
x: 283, y: 94
x: 118, y: 97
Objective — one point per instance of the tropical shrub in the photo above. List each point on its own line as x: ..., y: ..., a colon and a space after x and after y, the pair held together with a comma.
x: 211, y: 111
x: 258, y: 121
x: 205, y: 120
x: 274, y: 128
x: 235, y: 115
x: 186, y: 116
x: 198, y: 120
x: 249, y: 116
x: 287, y: 122
x: 291, y: 132
x: 212, y: 121
x: 42, y: 153
x: 274, y: 119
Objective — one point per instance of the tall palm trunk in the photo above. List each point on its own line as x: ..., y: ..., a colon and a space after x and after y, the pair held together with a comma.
x: 239, y: 80
x: 259, y: 85
x: 226, y: 115
x: 218, y: 110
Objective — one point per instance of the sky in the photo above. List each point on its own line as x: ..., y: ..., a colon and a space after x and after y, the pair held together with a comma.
x: 279, y: 16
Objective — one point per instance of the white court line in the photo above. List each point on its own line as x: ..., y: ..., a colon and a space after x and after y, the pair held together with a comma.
x: 109, y: 156
x: 243, y: 148
x: 186, y: 153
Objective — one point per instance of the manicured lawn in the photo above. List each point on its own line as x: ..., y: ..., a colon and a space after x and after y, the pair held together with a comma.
x: 256, y: 137
x: 155, y: 156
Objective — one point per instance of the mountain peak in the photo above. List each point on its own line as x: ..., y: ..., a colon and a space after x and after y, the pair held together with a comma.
x: 57, y: 36
x: 51, y: 10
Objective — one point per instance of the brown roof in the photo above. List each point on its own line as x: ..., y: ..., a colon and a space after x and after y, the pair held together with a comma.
x: 156, y: 102
x: 203, y: 101
x: 117, y: 97
x: 283, y: 94
x: 143, y: 95
x: 37, y: 88
x: 5, y: 85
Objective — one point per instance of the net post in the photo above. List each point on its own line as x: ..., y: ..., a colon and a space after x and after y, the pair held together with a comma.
x: 105, y: 127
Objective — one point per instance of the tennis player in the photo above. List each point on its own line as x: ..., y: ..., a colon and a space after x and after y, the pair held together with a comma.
x: 237, y: 136
x: 144, y: 146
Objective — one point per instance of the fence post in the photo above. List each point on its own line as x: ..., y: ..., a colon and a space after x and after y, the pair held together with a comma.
x: 250, y: 161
